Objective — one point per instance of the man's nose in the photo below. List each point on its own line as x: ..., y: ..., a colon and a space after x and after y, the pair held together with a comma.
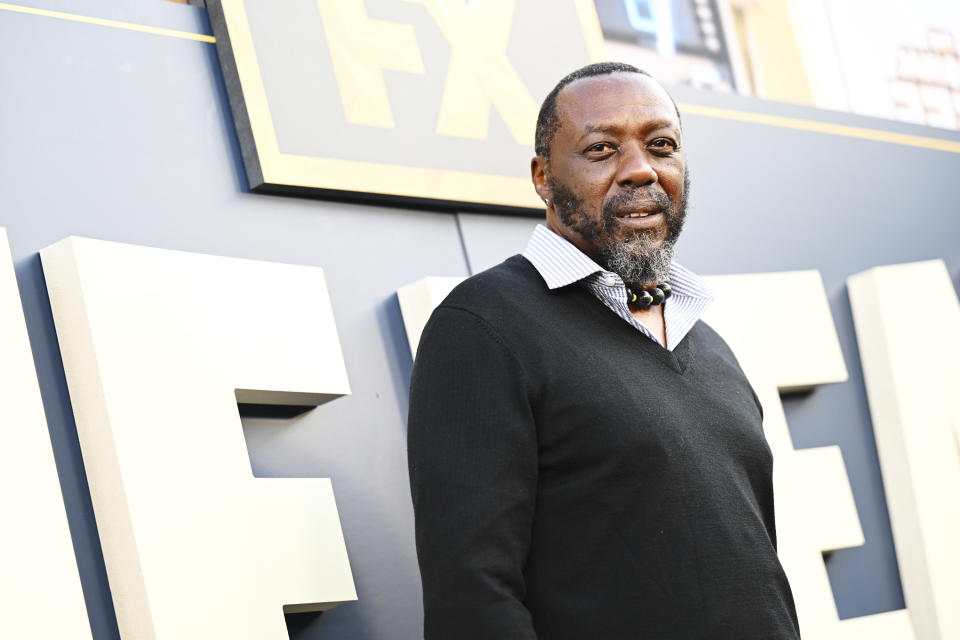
x: 634, y: 169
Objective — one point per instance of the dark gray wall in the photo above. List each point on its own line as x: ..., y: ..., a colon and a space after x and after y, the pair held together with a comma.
x: 127, y: 136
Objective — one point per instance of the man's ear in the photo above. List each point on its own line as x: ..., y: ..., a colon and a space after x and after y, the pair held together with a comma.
x: 538, y: 174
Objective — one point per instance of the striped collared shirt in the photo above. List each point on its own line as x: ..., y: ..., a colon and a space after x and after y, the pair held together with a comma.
x: 560, y: 264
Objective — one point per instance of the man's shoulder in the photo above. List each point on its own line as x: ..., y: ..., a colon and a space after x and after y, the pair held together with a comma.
x: 503, y: 287
x: 708, y: 336
x: 706, y: 332
x: 506, y: 301
x: 712, y: 342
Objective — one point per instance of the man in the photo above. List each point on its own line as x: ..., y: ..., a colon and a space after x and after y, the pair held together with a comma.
x: 587, y: 459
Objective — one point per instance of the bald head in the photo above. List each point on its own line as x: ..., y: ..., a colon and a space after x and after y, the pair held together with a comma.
x: 548, y: 120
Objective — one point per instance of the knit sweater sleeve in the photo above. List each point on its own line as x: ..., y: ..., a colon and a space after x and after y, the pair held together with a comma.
x: 473, y: 473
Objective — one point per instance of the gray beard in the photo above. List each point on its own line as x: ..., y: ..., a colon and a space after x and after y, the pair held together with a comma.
x: 638, y: 260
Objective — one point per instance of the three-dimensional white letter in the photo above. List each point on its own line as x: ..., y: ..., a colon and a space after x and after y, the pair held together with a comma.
x: 158, y: 347
x: 39, y: 583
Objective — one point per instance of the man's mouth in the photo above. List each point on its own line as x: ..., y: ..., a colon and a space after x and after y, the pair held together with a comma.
x: 640, y: 209
x: 642, y: 218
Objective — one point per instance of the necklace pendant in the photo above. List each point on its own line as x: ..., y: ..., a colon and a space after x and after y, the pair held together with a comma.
x: 645, y: 299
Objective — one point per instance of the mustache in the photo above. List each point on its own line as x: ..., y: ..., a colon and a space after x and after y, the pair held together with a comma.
x: 638, y: 197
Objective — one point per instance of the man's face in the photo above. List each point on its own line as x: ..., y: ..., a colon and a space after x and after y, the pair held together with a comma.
x: 616, y: 176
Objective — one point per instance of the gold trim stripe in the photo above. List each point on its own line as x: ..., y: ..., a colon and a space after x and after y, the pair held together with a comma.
x: 815, y: 126
x: 103, y: 22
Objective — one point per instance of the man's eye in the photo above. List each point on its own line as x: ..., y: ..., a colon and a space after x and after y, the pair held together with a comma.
x: 664, y: 144
x: 600, y: 148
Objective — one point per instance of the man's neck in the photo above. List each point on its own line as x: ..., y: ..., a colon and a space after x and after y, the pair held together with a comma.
x: 652, y: 319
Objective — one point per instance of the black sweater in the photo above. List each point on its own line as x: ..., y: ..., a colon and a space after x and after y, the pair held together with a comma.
x: 572, y: 479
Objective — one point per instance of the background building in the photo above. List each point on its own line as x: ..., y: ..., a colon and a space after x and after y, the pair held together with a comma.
x: 881, y: 59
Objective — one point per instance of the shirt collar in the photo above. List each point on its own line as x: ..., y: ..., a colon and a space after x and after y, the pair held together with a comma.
x: 560, y: 263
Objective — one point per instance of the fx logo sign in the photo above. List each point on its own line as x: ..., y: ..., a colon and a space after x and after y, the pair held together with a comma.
x: 430, y: 101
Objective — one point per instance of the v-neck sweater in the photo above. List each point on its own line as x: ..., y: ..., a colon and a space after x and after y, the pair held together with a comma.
x: 572, y: 479
x: 560, y: 263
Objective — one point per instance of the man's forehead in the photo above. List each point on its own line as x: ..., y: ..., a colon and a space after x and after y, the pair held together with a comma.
x: 586, y: 100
